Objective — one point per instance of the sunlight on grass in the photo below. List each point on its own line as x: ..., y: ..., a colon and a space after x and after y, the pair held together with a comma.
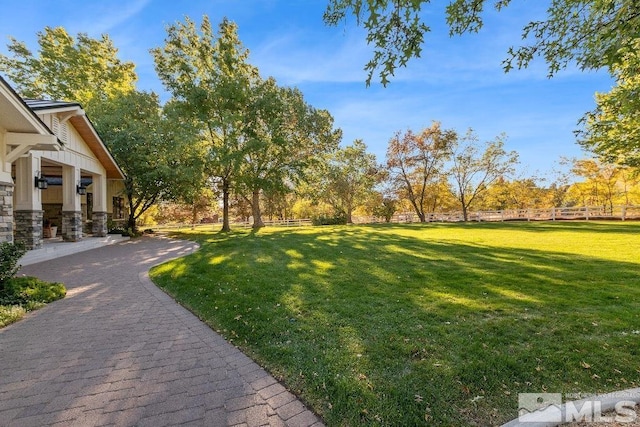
x: 293, y: 253
x: 322, y: 267
x: 457, y: 299
x: 397, y: 324
x: 513, y: 294
x: 218, y: 259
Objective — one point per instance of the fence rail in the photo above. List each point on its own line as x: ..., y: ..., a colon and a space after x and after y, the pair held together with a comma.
x: 236, y: 224
x: 622, y: 213
x: 549, y: 214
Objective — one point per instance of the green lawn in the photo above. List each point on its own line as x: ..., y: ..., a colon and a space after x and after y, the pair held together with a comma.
x: 439, y: 324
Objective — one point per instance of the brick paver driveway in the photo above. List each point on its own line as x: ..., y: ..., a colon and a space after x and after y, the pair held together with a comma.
x: 118, y: 351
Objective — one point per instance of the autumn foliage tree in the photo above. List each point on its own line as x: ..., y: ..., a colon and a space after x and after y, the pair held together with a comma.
x: 415, y: 163
x: 474, y: 170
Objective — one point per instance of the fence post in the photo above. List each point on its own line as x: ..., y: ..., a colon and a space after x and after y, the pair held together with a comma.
x: 586, y: 213
x: 553, y: 214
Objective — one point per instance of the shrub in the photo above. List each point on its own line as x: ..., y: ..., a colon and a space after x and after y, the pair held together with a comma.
x: 10, y: 314
x: 336, y: 219
x: 10, y: 254
x: 27, y: 291
x: 23, y: 294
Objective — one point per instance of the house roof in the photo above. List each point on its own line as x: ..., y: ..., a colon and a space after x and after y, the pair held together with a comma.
x: 84, y: 127
x: 43, y: 104
x: 16, y: 115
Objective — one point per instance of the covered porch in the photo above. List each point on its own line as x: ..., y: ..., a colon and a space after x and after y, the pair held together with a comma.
x: 57, y: 178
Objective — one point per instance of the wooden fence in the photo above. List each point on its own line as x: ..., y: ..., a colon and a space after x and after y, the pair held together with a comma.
x: 237, y: 224
x: 550, y: 214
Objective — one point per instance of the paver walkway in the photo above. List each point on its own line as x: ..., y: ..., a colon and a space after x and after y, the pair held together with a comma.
x: 118, y: 351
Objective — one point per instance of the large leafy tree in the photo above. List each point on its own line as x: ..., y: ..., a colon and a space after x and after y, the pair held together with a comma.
x: 348, y: 178
x: 209, y: 76
x: 415, y: 163
x: 589, y: 33
x: 145, y: 141
x: 284, y: 137
x: 160, y: 161
x: 79, y: 69
x: 612, y: 130
x: 473, y: 170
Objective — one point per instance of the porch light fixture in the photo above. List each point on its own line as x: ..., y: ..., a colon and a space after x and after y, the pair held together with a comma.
x: 40, y: 181
x: 81, y: 189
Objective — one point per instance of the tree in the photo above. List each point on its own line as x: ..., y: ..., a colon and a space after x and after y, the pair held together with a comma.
x: 612, y: 130
x: 77, y: 69
x: 521, y: 193
x: 284, y: 137
x: 472, y: 172
x: 210, y: 77
x: 414, y: 162
x: 386, y: 208
x: 601, y: 185
x: 157, y: 159
x: 348, y: 178
x: 587, y: 32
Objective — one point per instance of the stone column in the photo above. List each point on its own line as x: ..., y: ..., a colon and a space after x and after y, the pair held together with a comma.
x: 99, y: 189
x: 99, y: 224
x: 6, y: 212
x: 28, y: 209
x: 71, y: 226
x: 71, y: 205
x: 29, y: 228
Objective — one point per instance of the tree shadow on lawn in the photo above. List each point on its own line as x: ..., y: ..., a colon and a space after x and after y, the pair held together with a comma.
x: 374, y: 327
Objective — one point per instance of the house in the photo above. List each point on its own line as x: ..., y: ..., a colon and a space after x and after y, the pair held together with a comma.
x: 54, y: 170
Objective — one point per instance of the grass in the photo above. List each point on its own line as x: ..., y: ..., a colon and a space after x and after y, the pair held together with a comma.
x: 20, y: 295
x: 439, y: 324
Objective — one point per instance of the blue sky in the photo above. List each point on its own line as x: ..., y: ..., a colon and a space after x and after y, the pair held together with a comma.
x: 458, y: 81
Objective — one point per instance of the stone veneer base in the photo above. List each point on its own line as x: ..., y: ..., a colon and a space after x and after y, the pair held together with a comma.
x: 6, y: 212
x: 29, y: 228
x: 99, y: 224
x: 71, y: 226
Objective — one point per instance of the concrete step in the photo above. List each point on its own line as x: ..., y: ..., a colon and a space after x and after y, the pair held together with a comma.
x: 56, y: 248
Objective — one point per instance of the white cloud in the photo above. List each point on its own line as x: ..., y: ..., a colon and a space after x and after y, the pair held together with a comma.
x: 297, y: 58
x: 103, y: 17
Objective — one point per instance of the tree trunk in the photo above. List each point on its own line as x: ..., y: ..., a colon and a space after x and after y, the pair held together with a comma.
x: 225, y: 206
x: 255, y: 210
x: 419, y: 211
x: 194, y: 216
x: 131, y: 223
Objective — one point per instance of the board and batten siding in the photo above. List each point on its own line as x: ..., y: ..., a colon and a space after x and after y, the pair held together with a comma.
x: 76, y: 151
